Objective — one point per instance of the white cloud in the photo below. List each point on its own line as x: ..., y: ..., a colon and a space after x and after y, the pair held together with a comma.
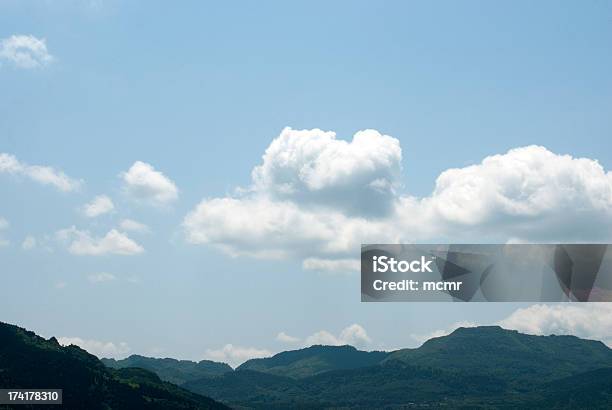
x: 322, y: 337
x: 332, y: 265
x: 586, y: 320
x: 101, y: 277
x: 100, y: 205
x: 42, y: 174
x: 262, y: 227
x: 144, y: 183
x: 3, y: 225
x: 43, y: 242
x: 422, y: 338
x: 133, y: 226
x: 526, y: 194
x: 313, y: 167
x: 235, y: 355
x: 531, y: 193
x: 25, y: 51
x: 97, y: 348
x: 82, y: 243
x: 28, y: 243
x: 60, y: 285
x: 354, y: 335
x: 285, y: 338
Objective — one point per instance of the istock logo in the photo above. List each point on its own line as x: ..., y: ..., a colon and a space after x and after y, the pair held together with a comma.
x: 385, y: 264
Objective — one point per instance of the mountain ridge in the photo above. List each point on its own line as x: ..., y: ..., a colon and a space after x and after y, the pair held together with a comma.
x: 479, y: 367
x: 29, y: 361
x: 473, y: 367
x: 477, y: 349
x: 169, y: 369
x: 313, y: 360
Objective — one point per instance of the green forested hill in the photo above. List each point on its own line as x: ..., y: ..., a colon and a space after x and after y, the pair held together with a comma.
x: 508, y: 355
x: 314, y: 360
x: 480, y: 368
x: 392, y: 384
x: 30, y: 361
x: 486, y: 367
x: 172, y: 370
x: 584, y: 390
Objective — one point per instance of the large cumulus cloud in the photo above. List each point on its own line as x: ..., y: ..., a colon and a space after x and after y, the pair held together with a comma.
x: 587, y: 320
x: 262, y: 227
x: 317, y: 198
x: 528, y: 192
x: 314, y: 168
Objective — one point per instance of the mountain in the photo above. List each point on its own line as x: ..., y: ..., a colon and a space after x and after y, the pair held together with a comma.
x: 172, y: 370
x: 508, y: 355
x: 314, y: 360
x: 583, y: 390
x: 392, y: 384
x: 485, y: 367
x: 30, y: 361
x: 477, y: 368
x: 251, y: 389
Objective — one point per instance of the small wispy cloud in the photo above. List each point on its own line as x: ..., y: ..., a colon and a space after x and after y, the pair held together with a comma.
x: 3, y: 225
x: 83, y: 243
x: 60, y: 285
x: 235, y: 355
x: 101, y: 277
x: 332, y: 265
x: 28, y: 243
x: 100, y: 205
x: 285, y: 338
x: 354, y: 335
x: 25, y: 51
x: 133, y: 226
x: 45, y: 175
x: 97, y: 347
x: 144, y: 183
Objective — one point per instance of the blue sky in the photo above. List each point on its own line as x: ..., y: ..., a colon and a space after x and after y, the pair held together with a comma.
x: 199, y: 91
